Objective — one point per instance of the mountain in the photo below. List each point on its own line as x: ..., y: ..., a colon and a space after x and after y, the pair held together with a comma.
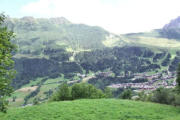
x: 44, y: 43
x: 35, y: 35
x: 57, y: 38
x: 55, y: 50
x: 174, y: 24
x: 172, y: 29
x: 106, y: 109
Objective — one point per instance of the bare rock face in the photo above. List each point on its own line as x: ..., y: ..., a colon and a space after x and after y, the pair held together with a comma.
x: 172, y: 29
x: 174, y: 24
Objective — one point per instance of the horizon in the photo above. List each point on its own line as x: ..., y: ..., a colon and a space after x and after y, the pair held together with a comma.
x: 117, y: 16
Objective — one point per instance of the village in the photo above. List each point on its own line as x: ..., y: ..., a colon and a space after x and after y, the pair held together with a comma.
x: 154, y: 81
x: 164, y: 79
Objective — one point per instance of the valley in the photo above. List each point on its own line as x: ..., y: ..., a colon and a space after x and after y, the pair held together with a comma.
x: 53, y: 51
x: 89, y: 60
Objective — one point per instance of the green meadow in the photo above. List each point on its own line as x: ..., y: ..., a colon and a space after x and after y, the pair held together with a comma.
x: 95, y: 109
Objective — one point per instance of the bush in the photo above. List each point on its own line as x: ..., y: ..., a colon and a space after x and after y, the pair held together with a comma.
x: 77, y: 91
x: 177, y: 100
x: 160, y: 96
x: 82, y: 90
x: 62, y: 94
x: 14, y: 98
x: 3, y: 105
x: 126, y: 94
x: 142, y: 96
x: 36, y: 101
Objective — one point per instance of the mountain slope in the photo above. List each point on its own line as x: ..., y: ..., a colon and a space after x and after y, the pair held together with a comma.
x: 106, y: 109
x: 45, y: 46
x: 172, y: 29
x: 51, y: 51
x: 33, y: 35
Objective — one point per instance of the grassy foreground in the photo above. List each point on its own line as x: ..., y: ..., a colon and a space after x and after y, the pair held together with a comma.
x: 101, y: 109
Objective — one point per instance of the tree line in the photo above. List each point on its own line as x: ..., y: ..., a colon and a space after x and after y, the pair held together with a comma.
x: 80, y: 91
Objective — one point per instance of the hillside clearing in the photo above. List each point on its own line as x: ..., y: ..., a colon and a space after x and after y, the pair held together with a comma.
x: 27, y: 89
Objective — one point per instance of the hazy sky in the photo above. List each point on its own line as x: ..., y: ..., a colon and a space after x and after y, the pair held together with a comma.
x: 118, y: 16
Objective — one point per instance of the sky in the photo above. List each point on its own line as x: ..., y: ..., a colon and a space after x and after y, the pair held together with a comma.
x: 116, y: 16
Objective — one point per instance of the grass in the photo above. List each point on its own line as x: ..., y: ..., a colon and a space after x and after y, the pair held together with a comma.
x: 113, y: 41
x: 159, y: 42
x: 100, y: 109
x: 19, y: 100
x: 20, y: 95
x: 47, y: 85
x: 152, y: 41
x: 33, y: 82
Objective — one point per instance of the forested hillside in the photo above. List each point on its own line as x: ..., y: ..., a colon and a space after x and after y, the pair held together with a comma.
x: 54, y: 50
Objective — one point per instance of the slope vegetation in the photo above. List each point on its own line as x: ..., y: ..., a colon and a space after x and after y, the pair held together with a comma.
x: 54, y: 50
x: 101, y: 109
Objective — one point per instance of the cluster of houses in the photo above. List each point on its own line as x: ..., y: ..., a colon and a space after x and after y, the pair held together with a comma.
x: 162, y: 79
x: 154, y: 81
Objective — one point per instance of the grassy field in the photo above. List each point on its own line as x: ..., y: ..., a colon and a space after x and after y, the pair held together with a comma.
x: 25, y: 90
x: 149, y: 39
x: 101, y: 109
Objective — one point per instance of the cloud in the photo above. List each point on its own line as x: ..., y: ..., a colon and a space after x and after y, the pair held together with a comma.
x: 118, y: 16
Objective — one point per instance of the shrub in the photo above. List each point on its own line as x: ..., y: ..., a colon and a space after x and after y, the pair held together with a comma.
x: 178, y: 78
x: 177, y: 100
x: 36, y: 101
x: 62, y: 94
x: 3, y: 105
x: 165, y: 96
x: 14, y: 98
x: 77, y: 91
x: 82, y: 90
x: 126, y: 94
x: 142, y: 96
x: 160, y: 95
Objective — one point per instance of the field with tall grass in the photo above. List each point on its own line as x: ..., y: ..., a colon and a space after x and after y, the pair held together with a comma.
x: 97, y: 109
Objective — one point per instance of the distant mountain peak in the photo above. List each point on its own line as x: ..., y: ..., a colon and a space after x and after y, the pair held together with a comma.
x: 172, y: 29
x: 28, y: 19
x: 32, y: 20
x: 174, y: 24
x: 59, y: 20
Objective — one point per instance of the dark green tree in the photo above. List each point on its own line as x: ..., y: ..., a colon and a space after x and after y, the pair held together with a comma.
x: 78, y: 91
x: 14, y: 99
x: 83, y: 90
x: 36, y: 101
x: 63, y: 93
x: 178, y: 77
x: 7, y: 72
x: 126, y: 94
x: 160, y: 95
